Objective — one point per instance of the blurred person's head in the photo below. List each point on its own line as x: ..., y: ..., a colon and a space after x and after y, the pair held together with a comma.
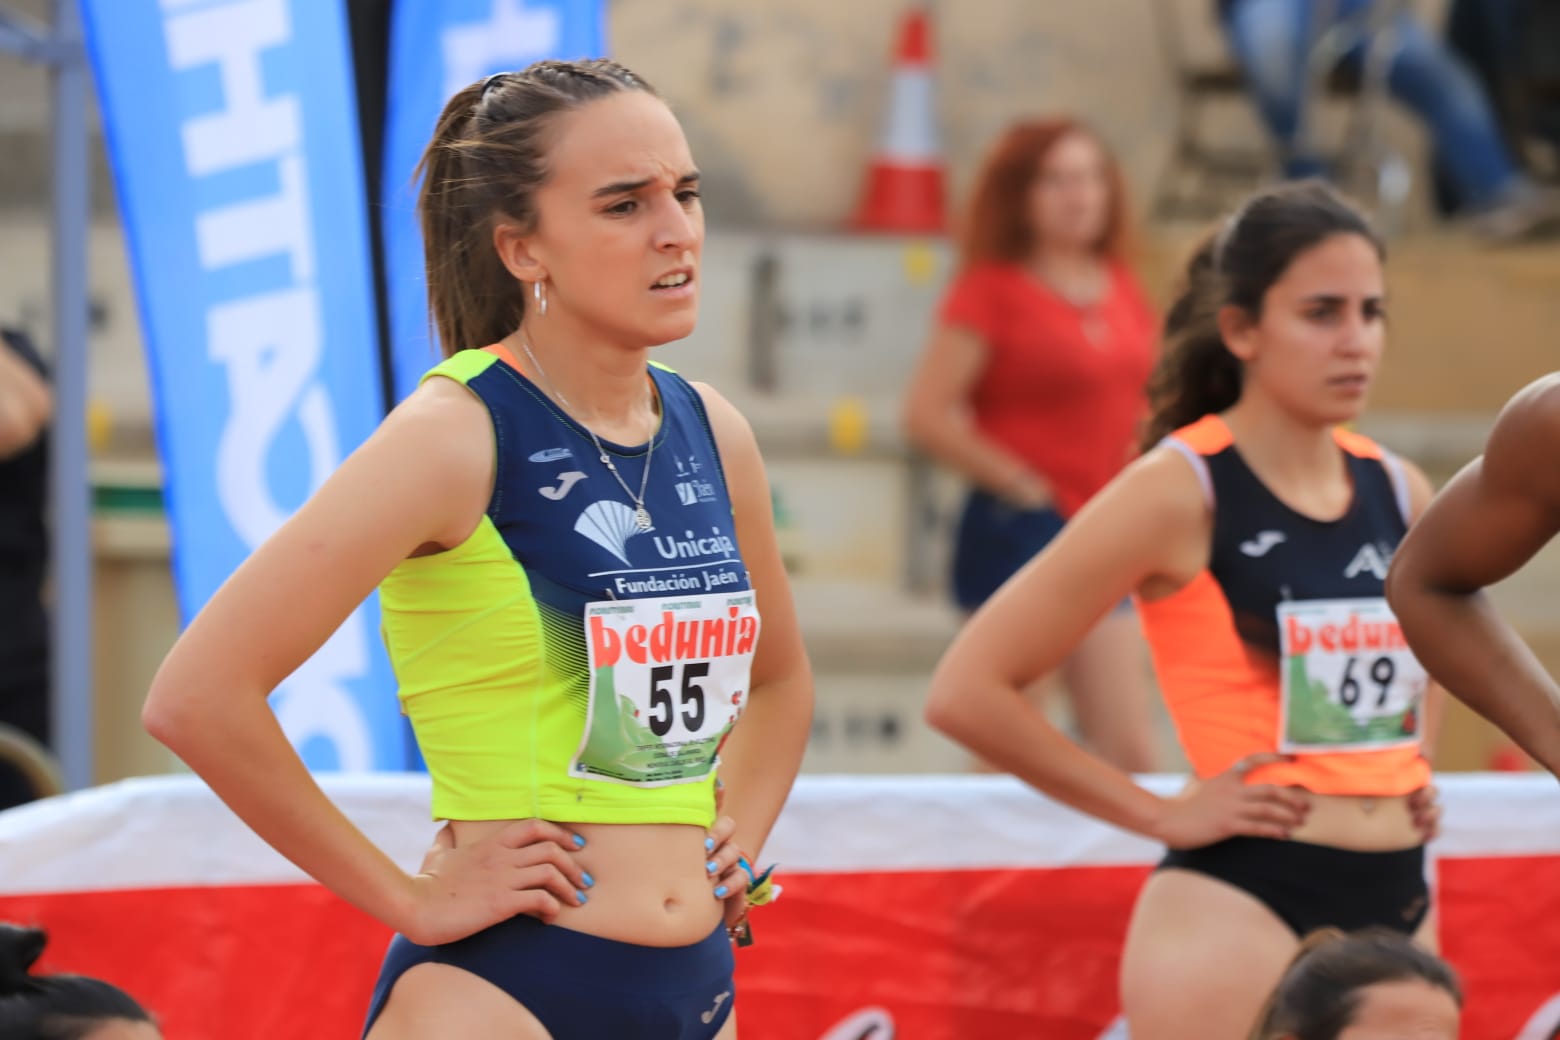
x: 1371, y: 985
x: 61, y: 1007
x: 1047, y: 185
x: 571, y: 176
x: 1285, y: 300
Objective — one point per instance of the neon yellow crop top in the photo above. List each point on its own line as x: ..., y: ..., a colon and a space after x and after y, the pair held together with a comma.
x: 562, y: 662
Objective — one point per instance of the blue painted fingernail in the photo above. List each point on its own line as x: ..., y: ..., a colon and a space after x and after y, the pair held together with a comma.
x: 709, y: 844
x: 579, y: 842
x: 585, y: 877
x: 582, y: 897
x: 720, y: 893
x: 712, y: 866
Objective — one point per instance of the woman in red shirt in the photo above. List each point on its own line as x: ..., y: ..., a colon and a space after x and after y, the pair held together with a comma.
x: 1032, y: 389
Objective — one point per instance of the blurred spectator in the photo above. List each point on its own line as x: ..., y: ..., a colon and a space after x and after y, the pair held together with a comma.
x: 1513, y: 48
x: 1272, y: 40
x: 1372, y: 985
x: 1032, y: 388
x: 61, y: 1007
x: 25, y: 409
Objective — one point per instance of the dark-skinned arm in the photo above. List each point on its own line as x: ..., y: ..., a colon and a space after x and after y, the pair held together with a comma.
x: 1490, y: 520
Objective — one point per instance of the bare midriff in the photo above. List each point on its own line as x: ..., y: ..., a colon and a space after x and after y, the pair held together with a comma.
x: 651, y: 886
x: 1360, y: 824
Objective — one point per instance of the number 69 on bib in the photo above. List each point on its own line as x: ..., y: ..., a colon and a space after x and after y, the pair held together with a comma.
x: 1348, y: 681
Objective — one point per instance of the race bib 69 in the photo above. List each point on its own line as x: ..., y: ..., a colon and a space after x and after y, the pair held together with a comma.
x: 1348, y: 679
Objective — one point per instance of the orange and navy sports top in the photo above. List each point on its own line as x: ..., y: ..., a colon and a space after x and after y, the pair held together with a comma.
x: 1285, y: 641
x: 572, y: 660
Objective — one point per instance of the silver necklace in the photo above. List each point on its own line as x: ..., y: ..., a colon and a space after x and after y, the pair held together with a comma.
x: 641, y: 514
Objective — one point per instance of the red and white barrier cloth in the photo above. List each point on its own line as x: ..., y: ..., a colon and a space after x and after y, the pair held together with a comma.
x: 923, y: 908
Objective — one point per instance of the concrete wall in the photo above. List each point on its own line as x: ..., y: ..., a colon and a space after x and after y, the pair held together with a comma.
x: 782, y: 99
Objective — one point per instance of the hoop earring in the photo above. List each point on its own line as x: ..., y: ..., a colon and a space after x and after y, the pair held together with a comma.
x: 541, y: 297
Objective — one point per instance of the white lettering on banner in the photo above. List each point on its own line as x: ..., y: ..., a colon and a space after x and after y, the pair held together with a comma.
x: 271, y: 348
x: 867, y: 1024
x: 250, y: 127
x: 323, y: 708
x: 271, y: 341
x: 262, y: 228
x: 511, y: 36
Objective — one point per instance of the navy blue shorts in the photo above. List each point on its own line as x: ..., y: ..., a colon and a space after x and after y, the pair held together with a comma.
x: 583, y: 987
x: 994, y: 540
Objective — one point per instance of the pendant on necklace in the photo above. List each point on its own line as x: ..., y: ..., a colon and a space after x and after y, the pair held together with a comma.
x: 642, y: 519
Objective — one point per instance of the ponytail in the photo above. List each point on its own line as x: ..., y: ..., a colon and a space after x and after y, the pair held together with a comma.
x: 1196, y: 374
x: 472, y: 299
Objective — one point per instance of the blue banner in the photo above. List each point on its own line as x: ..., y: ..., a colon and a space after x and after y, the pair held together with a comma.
x: 436, y: 48
x: 232, y: 131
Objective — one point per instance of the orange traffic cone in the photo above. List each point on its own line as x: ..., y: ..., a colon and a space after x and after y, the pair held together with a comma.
x: 904, y: 186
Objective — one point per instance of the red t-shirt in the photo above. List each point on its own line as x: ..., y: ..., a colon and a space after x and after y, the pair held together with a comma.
x: 1064, y: 387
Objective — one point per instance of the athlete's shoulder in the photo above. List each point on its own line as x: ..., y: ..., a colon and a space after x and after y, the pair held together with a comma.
x: 726, y: 419
x: 1166, y: 484
x: 1207, y: 436
x: 1409, y: 483
x: 442, y: 420
x: 1534, y: 414
x: 741, y: 461
x: 1357, y: 444
x: 1525, y: 441
x: 462, y: 366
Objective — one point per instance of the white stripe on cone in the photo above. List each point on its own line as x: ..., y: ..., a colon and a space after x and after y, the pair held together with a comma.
x: 910, y: 134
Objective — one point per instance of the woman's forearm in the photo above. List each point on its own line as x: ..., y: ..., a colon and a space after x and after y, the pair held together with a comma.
x: 238, y: 748
x: 763, y: 755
